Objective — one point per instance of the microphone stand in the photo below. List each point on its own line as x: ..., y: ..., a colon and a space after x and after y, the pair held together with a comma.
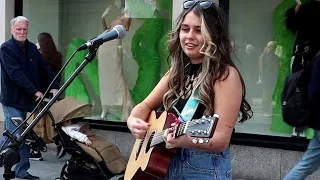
x: 9, y: 157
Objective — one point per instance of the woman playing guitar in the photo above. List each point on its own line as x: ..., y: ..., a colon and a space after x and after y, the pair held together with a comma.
x: 200, y: 66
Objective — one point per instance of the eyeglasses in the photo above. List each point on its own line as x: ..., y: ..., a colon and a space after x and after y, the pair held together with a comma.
x: 191, y: 3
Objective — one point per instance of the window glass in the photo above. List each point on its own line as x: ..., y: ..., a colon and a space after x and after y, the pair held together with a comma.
x: 263, y: 49
x: 124, y: 71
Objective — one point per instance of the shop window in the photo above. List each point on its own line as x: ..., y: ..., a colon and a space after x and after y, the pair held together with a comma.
x: 124, y: 71
x: 263, y: 49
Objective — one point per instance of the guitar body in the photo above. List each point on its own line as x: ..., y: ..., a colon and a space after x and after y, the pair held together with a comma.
x: 150, y: 159
x: 149, y: 163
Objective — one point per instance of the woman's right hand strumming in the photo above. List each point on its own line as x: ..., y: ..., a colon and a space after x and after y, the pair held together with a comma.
x: 137, y: 120
x: 138, y: 127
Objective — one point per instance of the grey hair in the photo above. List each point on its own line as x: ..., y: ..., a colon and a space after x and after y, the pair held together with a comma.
x: 18, y: 19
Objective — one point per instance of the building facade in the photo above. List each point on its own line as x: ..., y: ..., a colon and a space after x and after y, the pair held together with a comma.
x: 262, y: 147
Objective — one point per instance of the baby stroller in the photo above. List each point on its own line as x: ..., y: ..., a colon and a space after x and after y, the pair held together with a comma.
x: 84, y: 163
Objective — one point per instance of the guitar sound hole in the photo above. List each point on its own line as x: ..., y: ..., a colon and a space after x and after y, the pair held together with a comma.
x: 139, y: 148
x: 149, y: 142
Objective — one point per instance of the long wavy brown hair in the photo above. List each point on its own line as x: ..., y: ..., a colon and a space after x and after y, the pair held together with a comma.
x: 49, y: 51
x: 217, y: 59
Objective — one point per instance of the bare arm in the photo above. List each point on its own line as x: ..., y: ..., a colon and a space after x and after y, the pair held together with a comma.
x: 139, y: 114
x: 296, y: 9
x: 127, y: 20
x: 228, y: 97
x: 104, y: 24
x: 105, y: 13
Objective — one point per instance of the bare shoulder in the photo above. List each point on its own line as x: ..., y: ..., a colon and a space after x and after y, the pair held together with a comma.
x: 230, y: 84
x: 231, y: 76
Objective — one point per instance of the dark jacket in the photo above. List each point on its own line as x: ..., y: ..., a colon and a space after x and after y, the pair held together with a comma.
x: 305, y: 24
x: 21, y: 69
x: 314, y: 94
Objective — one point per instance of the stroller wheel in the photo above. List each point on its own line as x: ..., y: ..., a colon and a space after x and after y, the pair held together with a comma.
x: 64, y: 172
x: 75, y: 170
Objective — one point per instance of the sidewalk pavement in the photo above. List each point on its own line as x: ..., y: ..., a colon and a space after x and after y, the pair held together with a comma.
x: 49, y: 168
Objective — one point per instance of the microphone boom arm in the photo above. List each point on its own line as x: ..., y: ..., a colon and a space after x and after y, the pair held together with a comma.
x: 9, y: 156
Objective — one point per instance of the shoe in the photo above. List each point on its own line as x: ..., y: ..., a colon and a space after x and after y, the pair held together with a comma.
x: 298, y: 134
x: 29, y: 176
x: 36, y: 156
x: 294, y: 133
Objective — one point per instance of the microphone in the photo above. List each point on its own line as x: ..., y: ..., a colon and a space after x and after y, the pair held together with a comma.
x: 118, y: 32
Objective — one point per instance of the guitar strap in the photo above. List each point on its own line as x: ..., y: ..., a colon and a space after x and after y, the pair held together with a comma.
x: 190, y: 108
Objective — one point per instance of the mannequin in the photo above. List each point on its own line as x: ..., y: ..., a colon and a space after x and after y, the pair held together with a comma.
x: 113, y: 89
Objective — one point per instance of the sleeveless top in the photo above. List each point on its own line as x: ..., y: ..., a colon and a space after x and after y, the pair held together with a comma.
x: 190, y: 79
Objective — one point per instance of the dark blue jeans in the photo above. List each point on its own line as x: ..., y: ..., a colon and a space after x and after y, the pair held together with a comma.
x: 189, y: 164
x: 24, y: 164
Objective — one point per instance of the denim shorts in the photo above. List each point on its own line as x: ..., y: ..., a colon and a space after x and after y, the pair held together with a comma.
x: 196, y: 165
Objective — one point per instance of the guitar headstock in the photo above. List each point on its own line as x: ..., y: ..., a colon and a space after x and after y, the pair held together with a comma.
x: 199, y: 128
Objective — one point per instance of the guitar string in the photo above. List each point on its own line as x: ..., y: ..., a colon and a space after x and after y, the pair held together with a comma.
x: 155, y: 137
x: 158, y: 137
x: 181, y: 126
x: 191, y: 78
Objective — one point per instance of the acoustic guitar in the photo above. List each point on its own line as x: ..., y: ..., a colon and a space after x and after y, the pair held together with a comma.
x: 150, y: 159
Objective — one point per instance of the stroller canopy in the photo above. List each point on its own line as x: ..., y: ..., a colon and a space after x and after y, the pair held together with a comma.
x: 69, y: 108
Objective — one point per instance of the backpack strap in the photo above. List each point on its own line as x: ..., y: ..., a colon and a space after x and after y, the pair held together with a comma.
x: 308, y: 69
x: 313, y: 59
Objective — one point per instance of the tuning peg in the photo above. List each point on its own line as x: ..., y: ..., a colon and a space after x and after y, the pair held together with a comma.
x: 201, y: 141
x: 216, y: 115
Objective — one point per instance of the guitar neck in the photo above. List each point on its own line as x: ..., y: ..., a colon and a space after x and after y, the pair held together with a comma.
x: 200, y: 128
x: 157, y: 138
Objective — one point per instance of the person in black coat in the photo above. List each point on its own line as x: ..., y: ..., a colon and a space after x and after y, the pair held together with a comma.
x: 21, y: 82
x: 303, y: 20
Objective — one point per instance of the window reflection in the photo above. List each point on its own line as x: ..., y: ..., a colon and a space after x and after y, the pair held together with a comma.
x: 124, y: 71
